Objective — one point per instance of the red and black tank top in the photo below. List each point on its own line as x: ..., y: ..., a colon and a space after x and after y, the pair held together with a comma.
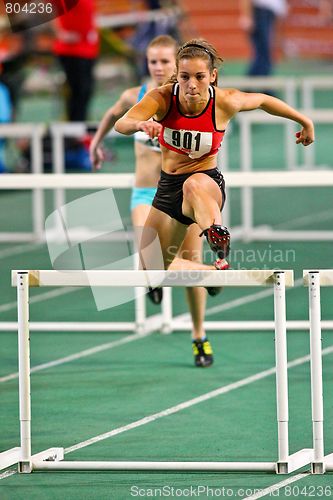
x: 194, y: 136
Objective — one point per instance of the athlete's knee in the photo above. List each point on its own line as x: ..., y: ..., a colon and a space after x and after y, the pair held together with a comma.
x: 191, y: 188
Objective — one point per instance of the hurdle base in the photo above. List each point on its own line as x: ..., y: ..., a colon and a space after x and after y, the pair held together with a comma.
x: 49, y: 455
x: 318, y: 468
x: 24, y: 467
x: 295, y: 461
x: 140, y: 328
x: 9, y: 457
x: 328, y: 461
x: 154, y: 466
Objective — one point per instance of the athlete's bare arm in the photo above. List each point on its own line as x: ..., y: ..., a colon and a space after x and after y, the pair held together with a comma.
x: 235, y: 101
x: 154, y: 104
x: 127, y: 99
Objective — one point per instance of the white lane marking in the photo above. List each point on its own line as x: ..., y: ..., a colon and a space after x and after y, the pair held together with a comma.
x: 199, y: 399
x: 83, y: 354
x: 40, y: 297
x: 275, y: 487
x: 191, y: 402
x: 18, y: 249
x: 8, y: 473
x: 172, y: 410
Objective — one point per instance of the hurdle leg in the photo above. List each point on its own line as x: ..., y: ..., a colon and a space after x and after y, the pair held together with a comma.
x: 166, y: 326
x: 140, y: 309
x: 286, y: 463
x: 281, y: 372
x: 140, y: 302
x: 247, y: 191
x: 24, y: 370
x: 317, y: 466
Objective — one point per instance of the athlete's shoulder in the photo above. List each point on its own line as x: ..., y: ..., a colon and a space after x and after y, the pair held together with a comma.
x: 162, y: 98
x: 229, y: 99
x: 164, y: 91
x: 130, y: 96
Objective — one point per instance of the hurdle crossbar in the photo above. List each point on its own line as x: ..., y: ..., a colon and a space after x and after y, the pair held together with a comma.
x: 264, y: 179
x: 249, y: 277
x: 278, y: 279
x: 314, y: 280
x: 181, y: 324
x: 246, y: 180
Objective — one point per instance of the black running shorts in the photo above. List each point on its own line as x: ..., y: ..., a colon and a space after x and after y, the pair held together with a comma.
x: 169, y: 195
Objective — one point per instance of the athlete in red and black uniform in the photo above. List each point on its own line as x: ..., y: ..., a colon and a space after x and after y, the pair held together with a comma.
x: 196, y: 137
x: 189, y: 151
x: 190, y: 119
x: 161, y: 59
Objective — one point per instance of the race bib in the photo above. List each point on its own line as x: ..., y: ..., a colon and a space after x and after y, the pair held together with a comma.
x: 195, y: 144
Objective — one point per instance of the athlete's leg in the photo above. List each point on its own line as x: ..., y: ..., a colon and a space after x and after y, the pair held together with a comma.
x: 170, y: 234
x: 140, y: 213
x: 139, y: 217
x: 202, y: 201
x: 165, y: 234
x: 141, y: 200
x: 191, y: 249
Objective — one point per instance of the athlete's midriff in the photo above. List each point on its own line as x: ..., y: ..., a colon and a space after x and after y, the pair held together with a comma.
x: 148, y: 166
x: 174, y: 163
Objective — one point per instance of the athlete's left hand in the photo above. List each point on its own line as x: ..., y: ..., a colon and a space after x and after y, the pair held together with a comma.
x: 150, y: 127
x: 305, y: 136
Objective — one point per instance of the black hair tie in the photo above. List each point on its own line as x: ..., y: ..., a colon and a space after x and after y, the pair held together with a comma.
x: 199, y: 47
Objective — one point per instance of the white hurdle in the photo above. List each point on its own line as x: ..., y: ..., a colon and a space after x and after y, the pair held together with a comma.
x: 244, y: 180
x: 52, y: 459
x: 34, y: 132
x: 314, y: 280
x: 247, y: 230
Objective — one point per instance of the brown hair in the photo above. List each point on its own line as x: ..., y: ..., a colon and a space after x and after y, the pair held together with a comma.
x: 164, y: 41
x: 198, y: 48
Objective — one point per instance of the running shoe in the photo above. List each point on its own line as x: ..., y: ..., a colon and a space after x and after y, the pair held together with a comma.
x: 202, y: 352
x: 155, y: 295
x: 220, y: 265
x: 218, y: 238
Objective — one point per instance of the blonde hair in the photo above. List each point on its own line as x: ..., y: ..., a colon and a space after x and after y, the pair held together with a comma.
x: 163, y: 41
x: 198, y: 48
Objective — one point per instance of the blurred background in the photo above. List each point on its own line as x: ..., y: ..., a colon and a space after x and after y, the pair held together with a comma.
x: 302, y: 40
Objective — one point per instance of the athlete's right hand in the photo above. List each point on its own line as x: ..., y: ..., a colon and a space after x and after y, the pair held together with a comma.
x: 150, y: 127
x: 97, y: 157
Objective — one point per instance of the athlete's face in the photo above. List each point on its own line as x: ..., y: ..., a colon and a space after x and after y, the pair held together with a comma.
x: 161, y: 63
x: 194, y: 78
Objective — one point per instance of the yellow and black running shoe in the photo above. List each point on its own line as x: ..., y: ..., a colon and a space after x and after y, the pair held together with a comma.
x: 203, y: 353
